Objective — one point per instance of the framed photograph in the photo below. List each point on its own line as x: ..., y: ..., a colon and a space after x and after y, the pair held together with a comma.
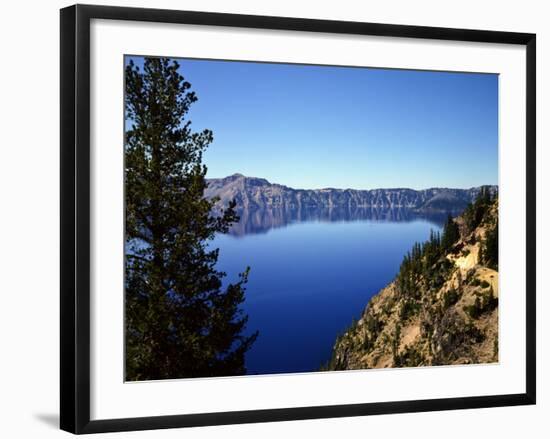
x: 268, y: 219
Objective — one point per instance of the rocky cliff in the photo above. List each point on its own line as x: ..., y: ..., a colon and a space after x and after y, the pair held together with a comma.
x: 442, y: 308
x: 257, y: 193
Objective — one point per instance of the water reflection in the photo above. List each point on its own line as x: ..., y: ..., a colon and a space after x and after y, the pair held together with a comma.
x: 262, y: 220
x: 308, y: 280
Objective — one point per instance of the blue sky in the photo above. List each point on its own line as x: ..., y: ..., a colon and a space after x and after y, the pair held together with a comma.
x: 345, y: 127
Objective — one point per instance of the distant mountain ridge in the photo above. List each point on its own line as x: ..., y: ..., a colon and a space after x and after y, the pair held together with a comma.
x: 252, y: 193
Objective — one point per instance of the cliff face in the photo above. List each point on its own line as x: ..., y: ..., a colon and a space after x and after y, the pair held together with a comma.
x: 445, y: 313
x: 257, y: 193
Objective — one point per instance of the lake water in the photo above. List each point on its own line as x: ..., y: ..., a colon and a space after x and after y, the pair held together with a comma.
x: 311, y: 274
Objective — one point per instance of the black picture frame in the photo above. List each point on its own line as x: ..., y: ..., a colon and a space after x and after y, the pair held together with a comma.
x: 75, y: 217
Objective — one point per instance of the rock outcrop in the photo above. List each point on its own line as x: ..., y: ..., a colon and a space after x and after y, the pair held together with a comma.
x: 440, y: 314
x: 257, y: 193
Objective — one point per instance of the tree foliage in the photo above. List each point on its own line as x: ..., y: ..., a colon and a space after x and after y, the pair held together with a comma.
x: 485, y: 301
x: 181, y: 321
x: 451, y: 234
x: 425, y: 261
x: 490, y: 248
x: 474, y: 212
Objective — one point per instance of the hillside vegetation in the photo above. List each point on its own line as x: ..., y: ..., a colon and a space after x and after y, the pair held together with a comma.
x: 442, y: 307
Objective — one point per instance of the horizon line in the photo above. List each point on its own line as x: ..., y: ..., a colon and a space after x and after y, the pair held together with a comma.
x: 238, y: 174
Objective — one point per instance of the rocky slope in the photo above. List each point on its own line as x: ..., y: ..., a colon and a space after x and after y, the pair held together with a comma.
x: 441, y: 309
x: 257, y: 193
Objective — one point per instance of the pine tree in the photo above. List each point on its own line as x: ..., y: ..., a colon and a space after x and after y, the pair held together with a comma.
x: 451, y: 234
x: 490, y: 255
x: 180, y: 320
x: 474, y: 212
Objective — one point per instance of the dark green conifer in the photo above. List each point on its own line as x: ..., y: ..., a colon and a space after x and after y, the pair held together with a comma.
x: 451, y: 234
x: 490, y: 253
x: 180, y: 320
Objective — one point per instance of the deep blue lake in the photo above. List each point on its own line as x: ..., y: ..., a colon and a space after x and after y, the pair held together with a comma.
x: 311, y: 275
